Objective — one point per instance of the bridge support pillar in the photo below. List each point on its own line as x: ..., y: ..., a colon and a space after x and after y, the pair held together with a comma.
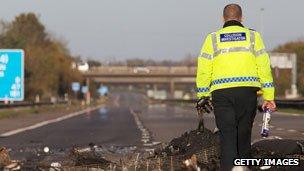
x: 155, y: 87
x: 88, y: 95
x: 172, y: 89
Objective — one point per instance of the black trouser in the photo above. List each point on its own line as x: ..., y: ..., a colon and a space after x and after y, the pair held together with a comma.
x: 235, y: 110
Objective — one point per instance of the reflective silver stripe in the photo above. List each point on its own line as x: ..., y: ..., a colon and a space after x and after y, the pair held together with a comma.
x: 233, y: 49
x: 214, y: 43
x: 252, y: 45
x: 252, y: 39
x: 260, y: 52
x: 206, y: 55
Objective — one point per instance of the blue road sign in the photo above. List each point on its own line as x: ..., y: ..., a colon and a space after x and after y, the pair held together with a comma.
x: 84, y: 89
x: 75, y: 86
x: 11, y: 74
x: 103, y: 90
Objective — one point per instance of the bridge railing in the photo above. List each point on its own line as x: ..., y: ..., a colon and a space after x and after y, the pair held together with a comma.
x: 149, y: 70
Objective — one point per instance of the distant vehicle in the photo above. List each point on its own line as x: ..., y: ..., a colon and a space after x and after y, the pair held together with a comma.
x: 141, y: 70
x: 160, y: 95
x: 83, y: 67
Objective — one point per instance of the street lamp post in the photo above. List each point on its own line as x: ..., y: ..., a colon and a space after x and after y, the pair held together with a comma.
x: 261, y: 20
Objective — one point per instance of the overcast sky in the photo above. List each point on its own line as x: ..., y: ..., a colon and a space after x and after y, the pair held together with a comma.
x: 158, y: 29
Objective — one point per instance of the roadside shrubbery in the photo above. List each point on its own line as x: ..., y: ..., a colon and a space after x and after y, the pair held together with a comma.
x: 48, y: 70
x: 296, y: 47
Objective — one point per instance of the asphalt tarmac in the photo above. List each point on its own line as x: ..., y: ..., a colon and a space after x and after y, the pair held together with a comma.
x: 109, y: 125
x: 114, y: 125
x: 169, y: 121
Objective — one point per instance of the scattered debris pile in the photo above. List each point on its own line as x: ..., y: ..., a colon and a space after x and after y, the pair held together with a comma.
x: 6, y: 163
x: 197, y: 148
x: 82, y: 157
x: 280, y: 148
x: 4, y: 157
x: 76, y: 158
x: 194, y: 150
x: 194, y: 142
x: 91, y: 157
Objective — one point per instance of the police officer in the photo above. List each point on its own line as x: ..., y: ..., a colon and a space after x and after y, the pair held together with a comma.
x: 232, y: 66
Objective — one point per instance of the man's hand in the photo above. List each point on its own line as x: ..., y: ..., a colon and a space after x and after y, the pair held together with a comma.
x: 270, y: 104
x: 204, y: 105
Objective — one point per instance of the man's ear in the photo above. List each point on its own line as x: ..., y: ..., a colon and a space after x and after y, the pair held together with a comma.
x: 242, y: 19
x: 223, y: 19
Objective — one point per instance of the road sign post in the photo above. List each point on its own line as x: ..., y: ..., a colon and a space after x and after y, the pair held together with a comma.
x: 103, y: 90
x: 11, y: 75
x: 75, y: 88
x: 86, y: 93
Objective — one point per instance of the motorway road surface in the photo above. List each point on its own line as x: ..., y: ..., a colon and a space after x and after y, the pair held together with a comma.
x: 114, y: 124
x: 167, y: 121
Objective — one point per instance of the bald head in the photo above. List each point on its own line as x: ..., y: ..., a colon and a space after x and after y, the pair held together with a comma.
x: 232, y: 12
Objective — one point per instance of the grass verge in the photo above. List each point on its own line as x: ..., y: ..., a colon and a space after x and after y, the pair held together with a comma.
x: 38, y: 110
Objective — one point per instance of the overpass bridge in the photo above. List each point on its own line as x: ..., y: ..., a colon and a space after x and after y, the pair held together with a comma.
x: 143, y: 75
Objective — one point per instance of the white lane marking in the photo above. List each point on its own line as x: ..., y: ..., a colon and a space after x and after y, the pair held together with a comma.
x: 288, y: 114
x: 40, y: 124
x: 145, y: 135
x: 291, y: 130
x: 279, y: 129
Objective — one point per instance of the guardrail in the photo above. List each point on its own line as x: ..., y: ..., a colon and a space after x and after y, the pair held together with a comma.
x: 27, y: 104
x: 295, y: 104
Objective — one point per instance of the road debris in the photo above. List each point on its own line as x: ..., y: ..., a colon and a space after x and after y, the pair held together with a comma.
x: 46, y: 149
x: 193, y: 142
x: 88, y: 157
x: 6, y: 163
x: 276, y: 148
x: 4, y: 157
x: 14, y: 165
x: 192, y: 151
x: 55, y: 166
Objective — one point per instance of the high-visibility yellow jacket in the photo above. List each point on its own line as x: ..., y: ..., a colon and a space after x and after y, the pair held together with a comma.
x: 234, y: 56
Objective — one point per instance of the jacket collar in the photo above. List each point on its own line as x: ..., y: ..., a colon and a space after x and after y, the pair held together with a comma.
x: 232, y: 23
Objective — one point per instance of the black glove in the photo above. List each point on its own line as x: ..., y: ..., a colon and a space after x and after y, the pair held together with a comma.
x: 204, y: 105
